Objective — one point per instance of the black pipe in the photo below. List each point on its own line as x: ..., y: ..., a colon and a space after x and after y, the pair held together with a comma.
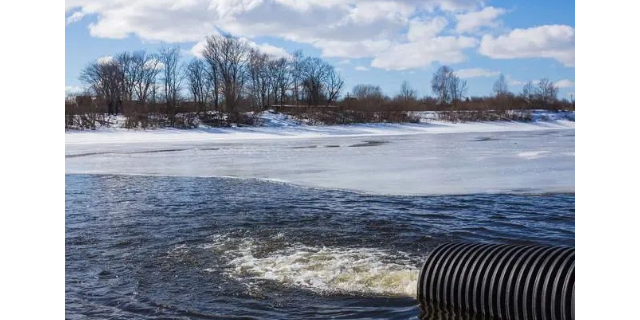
x: 514, y: 282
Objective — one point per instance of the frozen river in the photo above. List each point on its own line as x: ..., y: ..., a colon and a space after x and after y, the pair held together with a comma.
x: 379, y: 159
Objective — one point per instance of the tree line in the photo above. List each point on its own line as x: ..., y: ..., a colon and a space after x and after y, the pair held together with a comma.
x: 450, y: 94
x: 229, y: 77
x: 450, y: 90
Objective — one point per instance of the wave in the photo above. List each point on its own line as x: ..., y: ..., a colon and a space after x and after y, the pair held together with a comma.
x: 324, y: 270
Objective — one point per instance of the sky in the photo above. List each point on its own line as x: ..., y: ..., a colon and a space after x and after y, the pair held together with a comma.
x: 378, y: 42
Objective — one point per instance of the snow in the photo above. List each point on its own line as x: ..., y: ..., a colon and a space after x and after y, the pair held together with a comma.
x: 400, y: 159
x: 280, y: 126
x: 529, y: 155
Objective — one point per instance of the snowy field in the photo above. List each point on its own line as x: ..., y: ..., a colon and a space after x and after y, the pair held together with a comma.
x: 400, y: 159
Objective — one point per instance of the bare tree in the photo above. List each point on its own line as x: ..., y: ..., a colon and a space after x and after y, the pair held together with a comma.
x: 440, y: 84
x: 280, y: 79
x: 211, y: 54
x: 528, y: 92
x: 407, y: 93
x: 172, y: 75
x: 145, y: 72
x: 297, y: 68
x: 128, y: 72
x: 333, y: 85
x: 448, y: 88
x: 104, y: 78
x: 139, y: 71
x: 368, y: 96
x: 320, y: 82
x: 198, y: 82
x: 366, y: 91
x: 259, y: 78
x: 458, y: 90
x: 500, y: 87
x: 546, y: 92
x: 229, y: 57
x: 502, y: 96
x: 314, y: 75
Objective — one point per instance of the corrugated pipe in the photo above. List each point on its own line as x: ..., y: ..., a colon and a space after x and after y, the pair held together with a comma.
x: 498, y: 281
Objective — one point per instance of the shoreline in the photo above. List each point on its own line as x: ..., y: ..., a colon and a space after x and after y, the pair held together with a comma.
x: 278, y: 126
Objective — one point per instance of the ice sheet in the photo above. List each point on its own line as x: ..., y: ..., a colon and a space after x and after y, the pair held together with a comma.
x: 401, y: 159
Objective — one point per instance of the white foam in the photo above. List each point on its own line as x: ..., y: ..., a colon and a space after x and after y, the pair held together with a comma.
x: 324, y: 270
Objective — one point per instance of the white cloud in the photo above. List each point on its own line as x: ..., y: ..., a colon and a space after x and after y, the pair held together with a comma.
x: 191, y: 20
x: 565, y: 83
x: 423, y: 46
x: 74, y: 17
x: 105, y: 59
x: 374, y: 11
x: 159, y: 20
x: 395, y: 34
x: 422, y: 30
x: 269, y: 49
x: 411, y: 55
x: 361, y: 68
x: 469, y: 22
x: 337, y: 27
x: 476, y: 73
x: 353, y: 49
x: 548, y: 41
x: 73, y: 89
x: 514, y: 82
x: 198, y: 48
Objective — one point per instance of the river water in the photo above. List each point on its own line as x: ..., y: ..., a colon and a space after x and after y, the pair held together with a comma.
x: 153, y: 247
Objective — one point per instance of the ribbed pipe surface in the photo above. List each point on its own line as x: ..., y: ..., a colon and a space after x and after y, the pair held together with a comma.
x: 499, y: 281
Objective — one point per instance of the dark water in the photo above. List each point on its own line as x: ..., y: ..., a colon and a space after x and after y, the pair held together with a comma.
x: 142, y: 247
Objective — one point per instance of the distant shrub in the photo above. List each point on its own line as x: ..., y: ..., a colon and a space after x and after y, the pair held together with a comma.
x: 330, y: 116
x: 83, y: 114
x: 485, y: 115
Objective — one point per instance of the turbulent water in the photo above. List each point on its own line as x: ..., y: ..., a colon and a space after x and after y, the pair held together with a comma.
x: 142, y: 247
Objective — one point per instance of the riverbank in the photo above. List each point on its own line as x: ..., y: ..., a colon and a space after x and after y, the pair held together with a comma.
x: 280, y: 126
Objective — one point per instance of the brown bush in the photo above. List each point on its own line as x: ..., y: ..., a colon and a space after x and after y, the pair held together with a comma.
x: 485, y: 115
x: 329, y: 116
x: 83, y: 114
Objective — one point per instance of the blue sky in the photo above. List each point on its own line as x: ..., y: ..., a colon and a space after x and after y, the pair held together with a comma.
x: 370, y: 41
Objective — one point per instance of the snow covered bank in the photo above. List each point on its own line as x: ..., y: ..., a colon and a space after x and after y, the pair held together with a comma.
x: 278, y: 126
